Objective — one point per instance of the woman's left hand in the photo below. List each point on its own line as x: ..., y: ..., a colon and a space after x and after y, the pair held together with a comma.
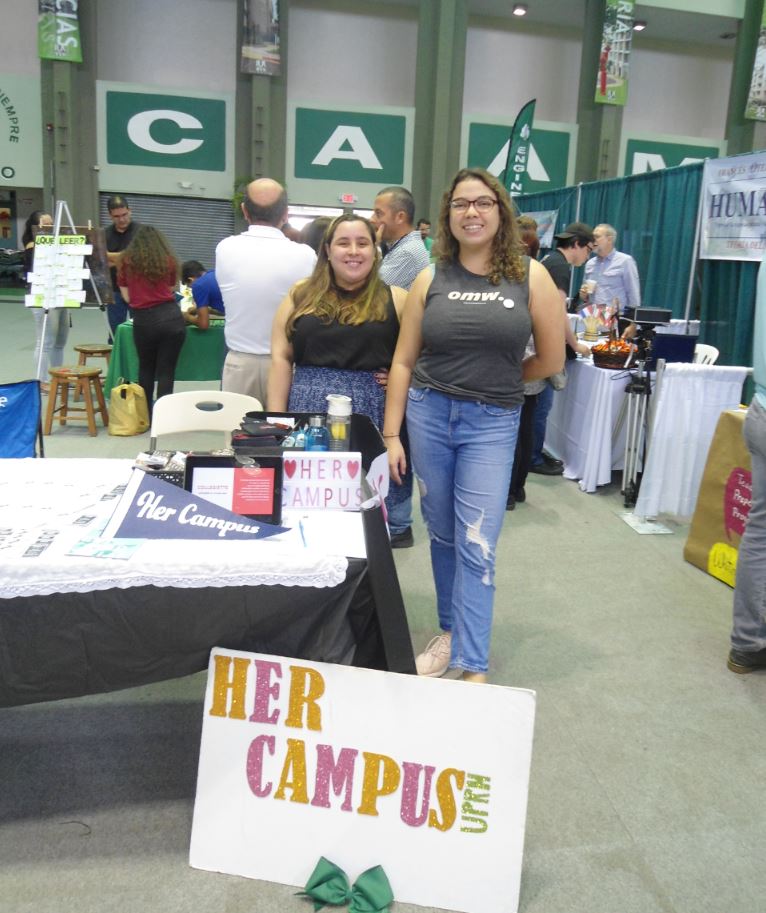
x: 381, y: 376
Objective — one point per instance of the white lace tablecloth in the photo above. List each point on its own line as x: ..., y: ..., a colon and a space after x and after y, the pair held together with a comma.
x: 48, y: 506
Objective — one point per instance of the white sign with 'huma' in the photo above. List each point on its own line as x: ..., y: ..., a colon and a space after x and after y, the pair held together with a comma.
x: 427, y: 778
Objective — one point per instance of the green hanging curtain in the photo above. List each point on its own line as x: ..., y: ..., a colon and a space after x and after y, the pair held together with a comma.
x: 655, y: 215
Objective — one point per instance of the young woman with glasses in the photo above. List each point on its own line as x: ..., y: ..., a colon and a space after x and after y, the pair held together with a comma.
x: 459, y: 370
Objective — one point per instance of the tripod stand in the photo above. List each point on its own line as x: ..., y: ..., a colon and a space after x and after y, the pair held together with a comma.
x: 636, y: 417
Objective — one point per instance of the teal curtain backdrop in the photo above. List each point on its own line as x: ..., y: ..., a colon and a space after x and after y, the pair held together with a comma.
x: 655, y: 215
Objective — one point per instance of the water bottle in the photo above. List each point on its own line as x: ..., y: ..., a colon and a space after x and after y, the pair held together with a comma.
x: 339, y: 421
x: 317, y: 437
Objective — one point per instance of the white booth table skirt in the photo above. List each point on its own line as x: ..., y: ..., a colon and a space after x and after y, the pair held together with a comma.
x: 687, y: 407
x: 582, y: 420
x: 49, y: 506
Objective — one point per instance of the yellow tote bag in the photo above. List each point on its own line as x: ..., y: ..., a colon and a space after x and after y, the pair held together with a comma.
x: 128, y: 411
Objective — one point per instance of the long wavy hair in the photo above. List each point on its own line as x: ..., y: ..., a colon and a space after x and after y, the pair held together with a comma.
x: 320, y: 295
x: 507, y: 258
x: 149, y: 254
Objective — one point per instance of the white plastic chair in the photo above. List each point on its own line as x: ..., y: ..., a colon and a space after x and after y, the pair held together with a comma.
x: 200, y: 410
x: 705, y: 354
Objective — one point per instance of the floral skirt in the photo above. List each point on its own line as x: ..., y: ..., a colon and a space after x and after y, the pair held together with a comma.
x: 308, y: 393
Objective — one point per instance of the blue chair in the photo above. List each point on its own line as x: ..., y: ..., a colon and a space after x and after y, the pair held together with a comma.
x: 20, y: 419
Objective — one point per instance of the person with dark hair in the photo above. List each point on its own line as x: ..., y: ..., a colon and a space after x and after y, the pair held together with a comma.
x: 208, y: 301
x: 57, y: 324
x: 313, y: 232
x: 573, y: 247
x: 255, y: 270
x: 118, y: 236
x: 459, y: 369
x: 338, y: 330
x: 528, y: 235
x: 405, y: 256
x: 424, y: 227
x: 404, y: 259
x: 148, y: 276
x: 525, y: 438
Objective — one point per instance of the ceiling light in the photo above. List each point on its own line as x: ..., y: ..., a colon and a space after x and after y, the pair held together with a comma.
x: 519, y: 9
x: 639, y: 25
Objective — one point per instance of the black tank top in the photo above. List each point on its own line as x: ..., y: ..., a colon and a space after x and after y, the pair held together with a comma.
x: 364, y: 347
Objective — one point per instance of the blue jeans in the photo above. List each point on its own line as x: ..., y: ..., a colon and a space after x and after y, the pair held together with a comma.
x: 116, y: 313
x: 543, y: 407
x: 749, y: 622
x: 462, y: 456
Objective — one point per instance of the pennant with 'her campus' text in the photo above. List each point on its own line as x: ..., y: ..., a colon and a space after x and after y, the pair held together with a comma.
x: 151, y: 508
x: 518, y: 149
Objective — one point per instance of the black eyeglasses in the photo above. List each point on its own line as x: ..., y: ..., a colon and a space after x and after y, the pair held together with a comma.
x: 481, y: 204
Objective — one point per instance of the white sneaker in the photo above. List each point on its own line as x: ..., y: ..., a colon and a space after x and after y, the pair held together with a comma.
x: 434, y: 660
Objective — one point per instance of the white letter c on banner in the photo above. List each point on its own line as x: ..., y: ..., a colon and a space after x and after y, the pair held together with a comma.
x: 140, y: 124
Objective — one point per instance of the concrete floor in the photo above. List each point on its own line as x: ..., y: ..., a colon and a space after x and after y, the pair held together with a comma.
x: 647, y: 770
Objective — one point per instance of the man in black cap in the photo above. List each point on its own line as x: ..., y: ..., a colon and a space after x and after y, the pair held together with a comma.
x: 118, y: 235
x: 573, y: 247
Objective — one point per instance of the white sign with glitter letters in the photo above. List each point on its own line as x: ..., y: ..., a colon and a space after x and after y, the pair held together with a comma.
x: 302, y: 759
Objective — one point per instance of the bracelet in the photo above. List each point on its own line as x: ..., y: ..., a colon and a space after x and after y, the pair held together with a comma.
x: 389, y: 435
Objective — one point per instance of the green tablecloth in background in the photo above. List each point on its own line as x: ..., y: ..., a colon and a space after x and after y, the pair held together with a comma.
x: 201, y: 357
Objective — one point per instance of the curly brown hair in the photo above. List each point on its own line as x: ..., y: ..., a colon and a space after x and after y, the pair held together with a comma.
x: 149, y: 254
x: 319, y: 294
x: 507, y: 259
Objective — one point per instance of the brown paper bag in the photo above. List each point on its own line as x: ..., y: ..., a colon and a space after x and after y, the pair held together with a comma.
x: 723, y: 502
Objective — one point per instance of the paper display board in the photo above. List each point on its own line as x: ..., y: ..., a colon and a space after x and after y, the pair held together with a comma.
x: 425, y: 777
x: 59, y: 271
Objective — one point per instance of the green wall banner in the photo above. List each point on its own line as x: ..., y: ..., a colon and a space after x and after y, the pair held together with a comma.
x: 547, y: 166
x: 21, y: 145
x: 165, y: 131
x: 58, y: 31
x: 169, y: 142
x: 643, y: 155
x: 349, y: 146
x: 614, y: 57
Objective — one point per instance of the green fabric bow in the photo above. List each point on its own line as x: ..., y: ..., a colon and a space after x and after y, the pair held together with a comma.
x: 328, y: 886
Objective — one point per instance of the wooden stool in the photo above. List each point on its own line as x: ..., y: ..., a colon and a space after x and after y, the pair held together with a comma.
x: 93, y: 350
x: 85, y: 381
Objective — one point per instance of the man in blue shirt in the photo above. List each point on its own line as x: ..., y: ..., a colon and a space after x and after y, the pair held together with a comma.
x: 610, y: 274
x: 208, y: 301
x: 748, y: 633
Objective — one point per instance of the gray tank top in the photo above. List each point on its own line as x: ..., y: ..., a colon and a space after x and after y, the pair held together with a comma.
x: 474, y: 336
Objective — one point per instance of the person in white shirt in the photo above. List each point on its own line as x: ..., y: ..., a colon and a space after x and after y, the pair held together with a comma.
x: 255, y: 270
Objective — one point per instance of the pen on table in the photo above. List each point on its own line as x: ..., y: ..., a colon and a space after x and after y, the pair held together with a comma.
x: 303, y: 533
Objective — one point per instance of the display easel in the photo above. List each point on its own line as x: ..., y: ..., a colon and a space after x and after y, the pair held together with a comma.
x: 62, y: 213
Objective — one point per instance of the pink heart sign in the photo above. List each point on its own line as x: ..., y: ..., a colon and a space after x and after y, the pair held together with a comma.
x: 353, y: 468
x: 290, y: 467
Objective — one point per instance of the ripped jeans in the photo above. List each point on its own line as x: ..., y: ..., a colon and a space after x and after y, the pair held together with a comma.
x: 462, y: 456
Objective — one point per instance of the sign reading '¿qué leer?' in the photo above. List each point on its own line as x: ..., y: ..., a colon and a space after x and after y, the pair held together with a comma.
x: 302, y: 759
